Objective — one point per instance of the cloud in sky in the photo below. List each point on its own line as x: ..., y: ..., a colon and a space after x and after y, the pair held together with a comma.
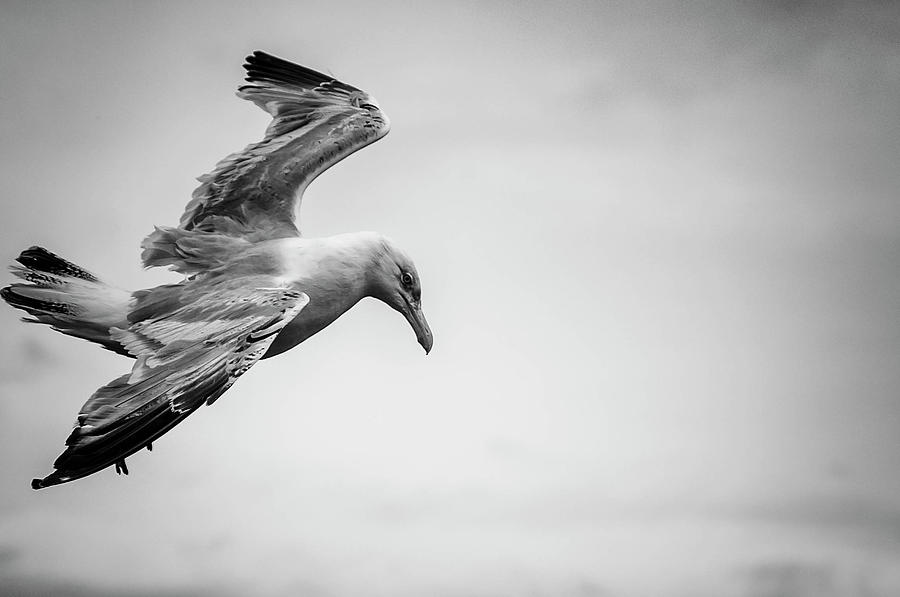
x: 658, y: 247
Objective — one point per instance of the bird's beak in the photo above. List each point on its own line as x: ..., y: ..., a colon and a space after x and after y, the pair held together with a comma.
x: 416, y: 319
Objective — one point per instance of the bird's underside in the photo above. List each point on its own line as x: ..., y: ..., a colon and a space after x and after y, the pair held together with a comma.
x: 191, y: 341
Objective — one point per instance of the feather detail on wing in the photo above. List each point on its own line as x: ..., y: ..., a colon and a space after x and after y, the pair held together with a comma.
x: 186, y: 356
x: 316, y: 122
x: 189, y: 251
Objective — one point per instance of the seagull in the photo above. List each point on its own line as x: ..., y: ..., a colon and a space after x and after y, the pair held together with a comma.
x: 254, y: 287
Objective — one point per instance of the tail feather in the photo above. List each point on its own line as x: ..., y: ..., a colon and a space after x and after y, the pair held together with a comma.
x: 68, y: 298
x: 39, y: 259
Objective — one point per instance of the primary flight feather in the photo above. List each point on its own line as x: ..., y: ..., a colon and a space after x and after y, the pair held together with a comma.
x: 254, y: 286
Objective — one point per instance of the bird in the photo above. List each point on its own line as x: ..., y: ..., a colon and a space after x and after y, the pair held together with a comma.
x: 253, y: 287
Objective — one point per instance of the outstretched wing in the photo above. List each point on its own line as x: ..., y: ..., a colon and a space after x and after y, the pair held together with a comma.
x: 185, y: 356
x: 316, y: 122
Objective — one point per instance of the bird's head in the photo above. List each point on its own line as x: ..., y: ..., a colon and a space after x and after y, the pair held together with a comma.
x: 394, y: 280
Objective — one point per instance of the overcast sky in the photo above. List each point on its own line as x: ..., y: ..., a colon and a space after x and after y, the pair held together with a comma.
x: 659, y: 247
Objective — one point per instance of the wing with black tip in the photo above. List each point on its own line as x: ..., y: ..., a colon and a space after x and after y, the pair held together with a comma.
x: 189, y: 349
x: 316, y: 122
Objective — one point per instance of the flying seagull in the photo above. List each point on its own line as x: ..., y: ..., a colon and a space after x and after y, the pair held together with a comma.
x: 253, y: 288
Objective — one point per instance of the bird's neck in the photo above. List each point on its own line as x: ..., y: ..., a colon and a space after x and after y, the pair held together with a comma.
x: 333, y: 271
x: 338, y: 265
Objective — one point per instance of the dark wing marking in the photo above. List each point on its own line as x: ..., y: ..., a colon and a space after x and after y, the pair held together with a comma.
x: 185, y: 357
x: 316, y: 122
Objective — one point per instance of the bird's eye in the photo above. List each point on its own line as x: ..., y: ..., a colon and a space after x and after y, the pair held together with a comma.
x: 406, y: 279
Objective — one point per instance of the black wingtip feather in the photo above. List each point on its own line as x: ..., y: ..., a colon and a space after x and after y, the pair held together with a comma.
x: 262, y: 67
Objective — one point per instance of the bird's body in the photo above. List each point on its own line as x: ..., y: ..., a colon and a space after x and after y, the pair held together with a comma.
x: 254, y: 287
x: 332, y: 271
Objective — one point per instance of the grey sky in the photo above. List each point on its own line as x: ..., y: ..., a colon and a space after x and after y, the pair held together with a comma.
x: 659, y: 249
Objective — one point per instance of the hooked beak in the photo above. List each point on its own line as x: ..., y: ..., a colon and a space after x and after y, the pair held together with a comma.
x: 416, y: 319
